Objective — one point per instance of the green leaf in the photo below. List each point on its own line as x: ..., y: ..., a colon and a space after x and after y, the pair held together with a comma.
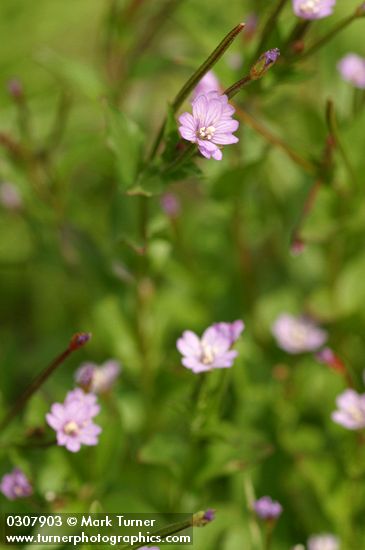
x: 126, y: 140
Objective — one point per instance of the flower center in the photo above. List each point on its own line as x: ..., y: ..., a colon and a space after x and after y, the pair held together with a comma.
x: 206, y: 132
x: 299, y: 335
x: 71, y: 428
x: 310, y: 7
x: 18, y: 490
x: 356, y: 414
x: 207, y: 355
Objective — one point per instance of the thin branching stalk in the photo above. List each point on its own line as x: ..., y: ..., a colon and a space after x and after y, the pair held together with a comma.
x: 195, y: 78
x: 76, y: 342
x: 333, y: 130
x: 269, y: 26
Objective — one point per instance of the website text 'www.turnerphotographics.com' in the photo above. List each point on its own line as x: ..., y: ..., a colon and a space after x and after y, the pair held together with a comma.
x: 107, y: 529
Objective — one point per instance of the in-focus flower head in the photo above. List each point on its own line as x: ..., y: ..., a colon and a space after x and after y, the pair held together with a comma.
x: 352, y: 69
x: 15, y: 485
x: 351, y: 410
x: 98, y: 379
x: 211, y: 351
x: 313, y: 9
x: 231, y: 331
x: 323, y: 542
x: 72, y: 420
x: 209, y: 83
x: 211, y: 124
x: 267, y: 509
x: 297, y: 334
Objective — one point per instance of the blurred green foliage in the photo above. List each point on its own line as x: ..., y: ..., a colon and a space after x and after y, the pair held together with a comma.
x: 98, y: 77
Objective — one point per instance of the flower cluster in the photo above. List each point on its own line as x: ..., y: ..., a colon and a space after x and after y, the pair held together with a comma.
x: 98, y: 379
x: 212, y: 350
x: 298, y: 334
x: 267, y: 509
x: 352, y: 69
x: 313, y: 9
x: 211, y: 124
x: 72, y: 420
x: 16, y: 485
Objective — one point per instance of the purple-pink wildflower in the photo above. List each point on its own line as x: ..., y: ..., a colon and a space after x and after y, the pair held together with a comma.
x: 10, y: 197
x: 351, y: 410
x: 211, y: 124
x: 170, y: 204
x: 313, y: 9
x: 211, y: 351
x: 72, y: 420
x: 231, y: 331
x: 352, y: 69
x: 267, y: 509
x: 209, y: 83
x: 323, y: 542
x: 297, y: 334
x: 16, y: 485
x: 98, y: 379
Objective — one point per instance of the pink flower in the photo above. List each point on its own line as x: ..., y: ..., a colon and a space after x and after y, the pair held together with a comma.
x: 313, y: 9
x: 211, y: 124
x: 267, y: 509
x: 351, y: 410
x: 15, y: 485
x: 297, y: 334
x: 323, y: 542
x: 211, y: 351
x: 98, y: 379
x: 72, y: 420
x: 209, y: 83
x: 352, y: 69
x: 231, y: 331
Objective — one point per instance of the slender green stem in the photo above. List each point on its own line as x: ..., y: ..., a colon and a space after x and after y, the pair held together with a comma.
x: 269, y: 26
x: 237, y: 86
x: 188, y: 152
x: 275, y: 140
x: 77, y: 341
x: 327, y: 37
x: 269, y: 529
x: 195, y: 78
x: 333, y: 129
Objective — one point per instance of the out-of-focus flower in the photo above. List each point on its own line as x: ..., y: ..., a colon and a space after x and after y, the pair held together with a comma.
x: 313, y: 9
x: 10, y: 197
x: 352, y: 69
x: 252, y: 21
x: 323, y: 542
x: 15, y: 485
x: 297, y: 334
x: 98, y: 379
x: 211, y: 351
x: 15, y: 88
x: 149, y: 548
x: 72, y: 420
x: 211, y: 124
x: 170, y: 204
x: 267, y: 509
x: 209, y: 83
x: 264, y: 63
x: 202, y: 518
x: 209, y: 515
x: 231, y: 331
x: 328, y: 357
x: 351, y: 410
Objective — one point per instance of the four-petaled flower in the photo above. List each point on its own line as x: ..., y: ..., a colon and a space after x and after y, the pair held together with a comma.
x: 267, y: 509
x: 352, y: 69
x: 15, y: 485
x: 98, y: 379
x: 211, y: 124
x: 212, y: 350
x: 351, y: 410
x: 323, y: 542
x: 72, y: 420
x: 297, y: 334
x: 313, y: 9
